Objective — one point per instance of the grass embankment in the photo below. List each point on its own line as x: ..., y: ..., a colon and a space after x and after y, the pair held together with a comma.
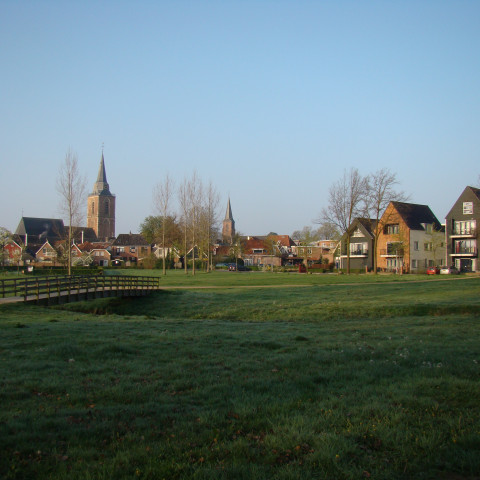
x: 378, y: 381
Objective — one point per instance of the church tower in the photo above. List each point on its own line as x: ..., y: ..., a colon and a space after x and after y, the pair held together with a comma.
x: 101, y: 206
x: 228, y: 230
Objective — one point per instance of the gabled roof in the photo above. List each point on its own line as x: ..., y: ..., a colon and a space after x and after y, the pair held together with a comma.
x: 129, y: 239
x: 88, y: 246
x: 283, y: 240
x: 414, y: 215
x: 368, y: 224
x: 467, y: 192
x: 45, y: 245
x: 40, y: 228
x: 85, y: 234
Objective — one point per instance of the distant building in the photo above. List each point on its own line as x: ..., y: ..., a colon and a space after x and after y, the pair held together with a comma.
x: 101, y: 207
x: 228, y: 230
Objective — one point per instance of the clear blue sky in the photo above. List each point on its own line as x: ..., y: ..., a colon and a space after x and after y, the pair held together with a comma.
x: 270, y: 100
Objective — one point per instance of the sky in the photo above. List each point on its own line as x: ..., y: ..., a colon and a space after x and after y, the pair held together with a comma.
x: 270, y: 101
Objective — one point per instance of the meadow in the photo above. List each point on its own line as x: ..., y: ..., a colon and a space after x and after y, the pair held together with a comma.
x: 335, y: 377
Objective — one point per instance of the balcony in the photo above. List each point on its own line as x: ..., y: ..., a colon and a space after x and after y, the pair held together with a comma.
x: 464, y: 251
x: 464, y: 233
x: 392, y: 252
x: 361, y: 252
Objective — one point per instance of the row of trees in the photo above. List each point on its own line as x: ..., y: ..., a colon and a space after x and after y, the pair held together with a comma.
x: 356, y: 196
x: 193, y: 228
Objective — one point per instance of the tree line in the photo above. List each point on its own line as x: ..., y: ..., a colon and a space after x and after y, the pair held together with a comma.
x: 192, y: 229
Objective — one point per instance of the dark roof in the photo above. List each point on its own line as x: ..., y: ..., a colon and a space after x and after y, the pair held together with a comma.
x: 40, y: 228
x: 228, y: 213
x: 368, y: 225
x: 85, y: 234
x: 128, y: 239
x: 101, y: 186
x: 414, y: 215
x: 466, y: 195
x: 476, y: 191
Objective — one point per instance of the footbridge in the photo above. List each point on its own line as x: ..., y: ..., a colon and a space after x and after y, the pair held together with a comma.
x: 73, y: 288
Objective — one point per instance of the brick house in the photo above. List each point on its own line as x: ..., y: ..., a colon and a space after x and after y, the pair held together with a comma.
x: 130, y: 248
x: 410, y: 240
x: 461, y: 225
x: 47, y: 254
x: 275, y: 250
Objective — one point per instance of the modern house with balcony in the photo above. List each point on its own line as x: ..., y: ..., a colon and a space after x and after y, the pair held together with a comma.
x: 359, y: 242
x: 411, y: 239
x: 462, y: 224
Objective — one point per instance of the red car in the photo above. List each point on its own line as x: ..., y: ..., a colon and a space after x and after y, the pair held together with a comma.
x: 433, y: 270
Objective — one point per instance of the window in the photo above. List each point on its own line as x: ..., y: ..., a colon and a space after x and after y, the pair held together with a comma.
x: 393, y: 229
x: 464, y: 228
x: 466, y: 246
x: 395, y: 248
x: 415, y: 246
x: 106, y: 207
x: 414, y: 263
x: 467, y: 208
x: 358, y: 249
x: 93, y: 207
x: 428, y: 246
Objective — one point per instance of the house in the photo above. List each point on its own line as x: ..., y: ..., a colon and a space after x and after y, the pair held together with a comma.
x: 130, y: 248
x: 47, y: 254
x: 410, y: 238
x: 274, y: 250
x: 359, y: 240
x: 15, y: 253
x: 461, y: 226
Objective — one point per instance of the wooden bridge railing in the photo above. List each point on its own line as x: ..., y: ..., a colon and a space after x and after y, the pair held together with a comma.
x: 37, y: 288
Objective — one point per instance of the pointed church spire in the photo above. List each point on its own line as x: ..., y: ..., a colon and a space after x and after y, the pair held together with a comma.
x: 228, y: 214
x: 101, y: 185
x: 228, y: 230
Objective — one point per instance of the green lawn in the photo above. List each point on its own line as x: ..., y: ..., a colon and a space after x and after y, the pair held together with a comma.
x: 330, y: 381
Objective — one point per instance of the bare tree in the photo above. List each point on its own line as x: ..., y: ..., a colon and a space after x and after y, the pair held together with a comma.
x: 184, y: 206
x: 380, y: 191
x: 162, y: 195
x: 71, y: 188
x: 345, y: 202
x: 305, y: 238
x: 212, y: 199
x: 195, y: 201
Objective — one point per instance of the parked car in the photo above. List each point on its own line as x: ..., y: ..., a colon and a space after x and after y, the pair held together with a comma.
x: 433, y: 270
x: 243, y: 268
x: 449, y: 270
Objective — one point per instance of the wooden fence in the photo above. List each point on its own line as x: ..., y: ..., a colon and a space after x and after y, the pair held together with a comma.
x: 69, y: 288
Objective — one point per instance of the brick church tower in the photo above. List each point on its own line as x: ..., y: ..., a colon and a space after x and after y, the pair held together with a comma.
x: 101, y: 206
x: 228, y: 230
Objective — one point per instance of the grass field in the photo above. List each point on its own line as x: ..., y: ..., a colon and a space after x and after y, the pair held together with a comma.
x: 339, y: 379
